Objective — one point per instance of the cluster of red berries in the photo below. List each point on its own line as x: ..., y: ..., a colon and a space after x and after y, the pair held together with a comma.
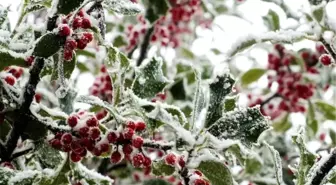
x: 84, y: 136
x: 12, y: 74
x: 76, y: 36
x: 292, y: 88
x: 160, y: 97
x: 197, y: 178
x: 169, y: 28
x: 129, y: 145
x: 102, y: 86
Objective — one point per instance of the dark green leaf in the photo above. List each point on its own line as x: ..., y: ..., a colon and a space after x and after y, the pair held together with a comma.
x: 90, y: 176
x: 119, y: 41
x: 329, y: 111
x: 149, y: 80
x: 48, y: 156
x: 8, y: 58
x: 319, y: 14
x: 62, y: 173
x: 48, y: 45
x: 69, y: 66
x: 230, y: 103
x: 5, y: 127
x: 252, y: 75
x: 155, y: 9
x: 178, y: 90
x: 67, y: 6
x: 124, y: 7
x: 245, y: 125
x: 252, y: 164
x: 161, y: 168
x: 156, y: 182
x: 5, y: 175
x: 216, y: 172
x: 219, y: 89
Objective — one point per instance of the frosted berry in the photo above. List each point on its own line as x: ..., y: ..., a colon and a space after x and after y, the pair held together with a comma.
x: 200, y: 182
x: 127, y: 149
x: 95, y: 133
x: 170, y: 159
x: 77, y: 23
x: 64, y: 30
x: 84, y: 131
x: 81, y: 44
x: 112, y: 137
x: 81, y: 13
x: 92, y: 122
x: 104, y: 147
x: 86, y: 23
x: 138, y: 160
x: 72, y: 121
x: 181, y: 162
x: 97, y: 152
x: 10, y: 80
x: 66, y: 138
x: 128, y: 134
x: 137, y: 142
x: 75, y: 157
x: 140, y: 126
x: 325, y: 60
x: 88, y: 37
x: 7, y: 165
x: 67, y: 54
x: 70, y: 44
x: 38, y: 97
x: 198, y: 173
x: 130, y: 125
x: 115, y: 157
x: 322, y: 136
x: 30, y: 60
x: 56, y: 143
x: 147, y: 161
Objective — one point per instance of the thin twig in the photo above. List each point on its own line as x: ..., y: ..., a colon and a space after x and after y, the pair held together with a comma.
x: 269, y: 99
x: 145, y: 45
x: 328, y: 48
x: 324, y: 169
x: 159, y: 146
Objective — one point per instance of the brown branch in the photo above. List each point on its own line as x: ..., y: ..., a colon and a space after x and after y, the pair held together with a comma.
x: 145, y: 45
x: 269, y: 99
x: 159, y: 146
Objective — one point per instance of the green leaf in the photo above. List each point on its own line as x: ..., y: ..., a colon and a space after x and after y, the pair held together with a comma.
x: 85, y: 53
x: 307, y: 159
x: 252, y: 75
x: 82, y: 67
x: 282, y: 125
x: 219, y: 89
x: 149, y: 79
x: 8, y: 58
x: 187, y: 53
x: 161, y: 168
x: 125, y: 7
x: 61, y: 176
x: 52, y: 113
x: 245, y: 125
x: 272, y: 19
x: 67, y: 6
x: 230, y: 103
x: 155, y: 9
x: 332, y: 135
x: 216, y: 172
x: 253, y: 164
x: 178, y: 89
x: 329, y: 111
x: 277, y: 164
x: 119, y: 41
x: 311, y: 118
x: 5, y: 127
x: 121, y: 64
x: 48, y: 45
x: 221, y: 9
x: 330, y: 177
x: 156, y: 182
x: 319, y: 14
x: 48, y: 156
x: 90, y: 176
x: 199, y: 101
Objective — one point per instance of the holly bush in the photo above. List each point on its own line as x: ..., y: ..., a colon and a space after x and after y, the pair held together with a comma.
x: 156, y: 111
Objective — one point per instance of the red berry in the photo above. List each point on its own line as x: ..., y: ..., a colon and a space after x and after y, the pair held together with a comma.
x: 198, y: 173
x: 66, y: 138
x: 64, y: 30
x: 66, y: 148
x: 325, y: 60
x: 104, y: 147
x: 112, y: 137
x: 137, y: 142
x: 67, y: 54
x: 170, y: 159
x: 181, y: 162
x: 115, y: 157
x: 128, y: 134
x: 7, y: 165
x: 77, y: 23
x: 81, y: 13
x: 70, y: 44
x: 127, y: 149
x: 138, y: 160
x: 84, y: 131
x: 97, y: 152
x: 81, y: 44
x: 199, y: 182
x: 86, y: 23
x: 92, y: 122
x: 95, y: 133
x: 130, y: 125
x: 38, y: 97
x: 147, y: 162
x: 322, y: 136
x: 77, y: 147
x: 140, y: 126
x: 58, y: 135
x: 72, y: 121
x: 87, y: 37
x: 56, y: 143
x: 75, y: 157
x: 30, y: 60
x: 10, y: 80
x: 121, y: 138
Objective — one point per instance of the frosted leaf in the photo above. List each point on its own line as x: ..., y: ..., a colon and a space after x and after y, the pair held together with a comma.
x: 277, y: 164
x: 5, y: 174
x: 216, y: 172
x: 154, y: 80
x: 90, y: 176
x: 155, y: 9
x: 199, y: 104
x: 9, y: 58
x: 48, y: 156
x: 125, y: 7
x: 330, y: 176
x: 161, y: 168
x: 48, y: 44
x: 61, y: 92
x: 219, y: 88
x: 242, y: 124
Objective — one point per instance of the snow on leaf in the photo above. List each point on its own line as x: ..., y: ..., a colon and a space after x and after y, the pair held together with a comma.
x: 199, y: 101
x: 8, y: 58
x: 219, y: 88
x: 329, y: 111
x: 161, y: 168
x: 307, y: 159
x: 90, y: 176
x: 125, y: 7
x: 242, y: 124
x: 287, y: 36
x: 272, y: 19
x: 252, y: 75
x: 330, y: 177
x: 149, y: 79
x: 277, y: 164
x: 48, y: 156
x: 48, y: 45
x: 216, y: 172
x: 5, y: 174
x: 155, y: 9
x: 67, y: 6
x: 156, y: 182
x: 319, y: 12
x: 62, y: 173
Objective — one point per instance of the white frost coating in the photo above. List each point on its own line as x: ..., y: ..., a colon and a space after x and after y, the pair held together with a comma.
x: 220, y: 145
x: 91, y: 174
x: 48, y: 95
x: 279, y: 36
x: 125, y: 7
x: 264, y: 180
x: 53, y: 8
x: 277, y: 164
x: 329, y: 176
x: 21, y: 175
x: 205, y: 155
x: 13, y: 91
